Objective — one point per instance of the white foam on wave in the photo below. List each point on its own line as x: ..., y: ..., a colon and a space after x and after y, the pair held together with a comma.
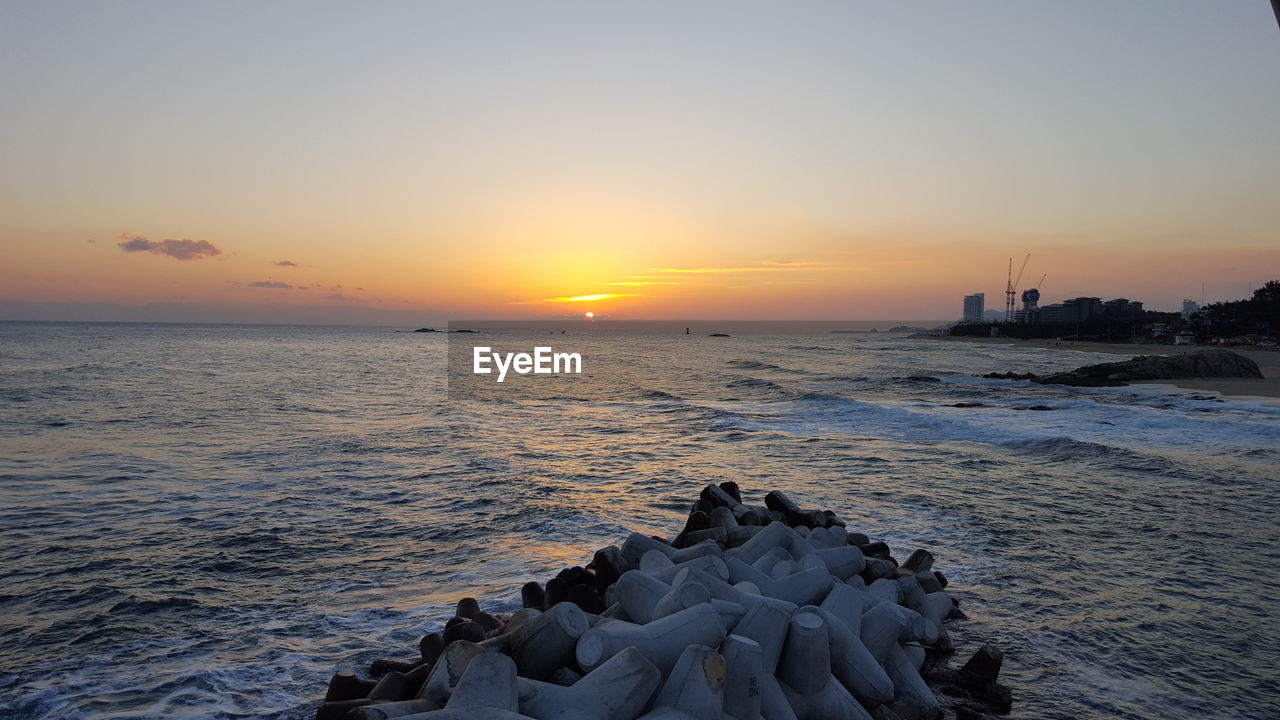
x: 1135, y: 417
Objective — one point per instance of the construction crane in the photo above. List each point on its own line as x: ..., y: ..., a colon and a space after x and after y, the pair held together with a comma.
x: 1011, y: 288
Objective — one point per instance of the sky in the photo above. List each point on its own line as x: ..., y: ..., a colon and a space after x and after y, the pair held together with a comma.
x: 414, y: 162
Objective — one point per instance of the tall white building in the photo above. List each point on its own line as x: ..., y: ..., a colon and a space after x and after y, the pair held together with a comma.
x: 973, y: 307
x: 1189, y: 308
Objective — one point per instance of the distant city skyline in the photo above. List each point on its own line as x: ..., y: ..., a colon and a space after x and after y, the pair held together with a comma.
x: 403, y: 162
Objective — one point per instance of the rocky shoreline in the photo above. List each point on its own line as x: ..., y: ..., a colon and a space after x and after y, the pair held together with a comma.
x: 750, y: 611
x: 1202, y: 364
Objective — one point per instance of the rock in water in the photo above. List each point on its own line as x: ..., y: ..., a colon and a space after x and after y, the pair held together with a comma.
x: 983, y: 667
x: 1203, y: 364
x: 1074, y: 380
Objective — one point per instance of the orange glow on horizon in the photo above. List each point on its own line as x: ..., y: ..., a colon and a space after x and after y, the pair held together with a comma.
x: 587, y: 298
x: 847, y: 277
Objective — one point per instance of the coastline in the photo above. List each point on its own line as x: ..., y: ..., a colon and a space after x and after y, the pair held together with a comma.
x: 1265, y: 389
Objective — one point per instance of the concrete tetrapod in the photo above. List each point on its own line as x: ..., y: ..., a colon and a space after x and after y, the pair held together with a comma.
x: 813, y: 562
x: 881, y: 630
x: 909, y: 688
x: 933, y: 611
x: 805, y: 672
x: 766, y: 625
x: 746, y: 595
x: 619, y: 689
x: 564, y: 677
x: 637, y: 545
x: 488, y: 682
x: 661, y: 641
x: 774, y: 535
x: 743, y: 668
x: 722, y: 517
x: 851, y: 662
x: 803, y: 588
x: 547, y: 642
x: 447, y: 673
x: 843, y: 561
x: 783, y: 568
x: 710, y: 564
x: 695, y: 688
x: 388, y: 711
x: 644, y: 598
x: 885, y: 590
x: 917, y: 628
x: 487, y: 690
x: 653, y: 561
x: 774, y: 556
x: 832, y: 537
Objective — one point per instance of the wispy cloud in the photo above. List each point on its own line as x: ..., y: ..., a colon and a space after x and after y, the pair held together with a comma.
x: 271, y: 284
x: 699, y: 276
x: 285, y: 263
x: 708, y: 270
x: 342, y: 298
x: 576, y: 298
x: 588, y: 298
x: 176, y: 249
x: 762, y: 266
x: 685, y: 281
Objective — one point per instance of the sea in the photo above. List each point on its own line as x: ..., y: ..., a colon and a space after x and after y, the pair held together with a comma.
x: 207, y: 521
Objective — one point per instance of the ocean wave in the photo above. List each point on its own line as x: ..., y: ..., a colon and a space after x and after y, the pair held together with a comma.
x: 753, y: 383
x: 752, y: 365
x: 135, y: 606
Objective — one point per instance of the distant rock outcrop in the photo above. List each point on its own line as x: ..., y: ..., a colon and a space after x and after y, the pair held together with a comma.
x: 1203, y: 364
x: 1011, y: 376
x: 1074, y: 380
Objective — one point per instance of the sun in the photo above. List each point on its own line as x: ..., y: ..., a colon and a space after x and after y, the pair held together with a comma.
x: 589, y: 314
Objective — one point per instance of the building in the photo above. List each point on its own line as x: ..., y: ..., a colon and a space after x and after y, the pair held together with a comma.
x: 1075, y: 310
x: 1029, y: 314
x: 973, y: 306
x: 1083, y: 309
x: 1121, y: 307
x: 1189, y: 308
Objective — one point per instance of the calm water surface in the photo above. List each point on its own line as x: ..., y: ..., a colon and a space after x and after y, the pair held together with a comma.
x: 207, y: 521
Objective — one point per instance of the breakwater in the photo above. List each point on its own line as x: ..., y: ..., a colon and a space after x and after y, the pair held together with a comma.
x: 750, y: 611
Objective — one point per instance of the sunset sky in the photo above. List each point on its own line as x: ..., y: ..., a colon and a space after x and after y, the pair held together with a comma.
x: 421, y: 161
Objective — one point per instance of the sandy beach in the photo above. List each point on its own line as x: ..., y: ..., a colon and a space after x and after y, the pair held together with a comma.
x: 1266, y: 389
